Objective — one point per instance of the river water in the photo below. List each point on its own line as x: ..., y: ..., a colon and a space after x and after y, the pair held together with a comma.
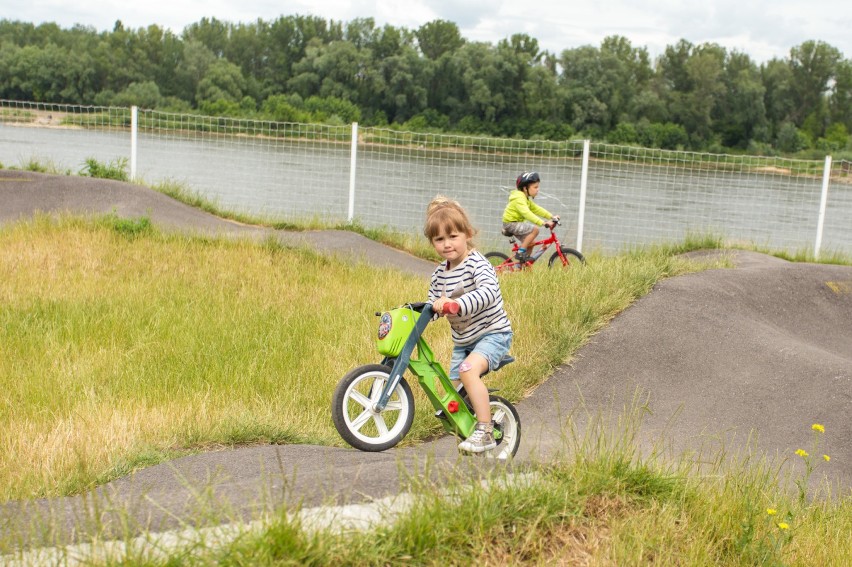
x: 626, y: 205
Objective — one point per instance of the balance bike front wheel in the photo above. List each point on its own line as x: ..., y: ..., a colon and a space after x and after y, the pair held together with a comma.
x: 356, y: 420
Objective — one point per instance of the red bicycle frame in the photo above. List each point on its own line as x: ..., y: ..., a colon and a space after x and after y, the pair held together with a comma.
x: 566, y: 256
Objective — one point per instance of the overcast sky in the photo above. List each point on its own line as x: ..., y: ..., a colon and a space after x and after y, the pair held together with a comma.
x: 762, y: 28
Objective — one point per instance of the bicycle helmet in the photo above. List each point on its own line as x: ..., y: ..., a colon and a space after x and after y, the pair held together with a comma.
x: 526, y: 178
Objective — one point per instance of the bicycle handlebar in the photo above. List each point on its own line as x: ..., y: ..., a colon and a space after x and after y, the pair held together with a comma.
x: 450, y: 308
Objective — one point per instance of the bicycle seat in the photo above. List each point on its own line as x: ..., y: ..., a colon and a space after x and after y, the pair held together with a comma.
x: 507, y: 233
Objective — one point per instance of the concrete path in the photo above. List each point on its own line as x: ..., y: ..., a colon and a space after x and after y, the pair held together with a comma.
x: 762, y: 350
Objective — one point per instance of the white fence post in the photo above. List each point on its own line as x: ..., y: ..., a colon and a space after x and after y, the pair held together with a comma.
x: 134, y: 128
x: 826, y: 177
x: 581, y: 213
x: 353, y: 161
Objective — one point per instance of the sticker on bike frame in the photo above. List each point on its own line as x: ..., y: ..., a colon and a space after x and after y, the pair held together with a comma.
x: 384, y: 325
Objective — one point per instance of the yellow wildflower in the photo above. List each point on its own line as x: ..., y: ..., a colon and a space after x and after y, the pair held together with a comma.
x: 818, y: 427
x: 784, y: 525
x: 826, y: 458
x: 771, y: 511
x: 802, y: 453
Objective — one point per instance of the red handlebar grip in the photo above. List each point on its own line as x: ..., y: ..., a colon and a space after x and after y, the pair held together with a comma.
x: 450, y: 308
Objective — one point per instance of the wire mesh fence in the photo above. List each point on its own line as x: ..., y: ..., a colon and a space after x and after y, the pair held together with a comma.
x: 288, y: 171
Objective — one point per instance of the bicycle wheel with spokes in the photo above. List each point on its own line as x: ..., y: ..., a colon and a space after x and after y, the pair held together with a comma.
x: 507, y: 428
x: 354, y: 416
x: 500, y: 262
x: 572, y: 257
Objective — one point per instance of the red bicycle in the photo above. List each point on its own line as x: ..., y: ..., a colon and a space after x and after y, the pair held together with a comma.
x: 563, y: 256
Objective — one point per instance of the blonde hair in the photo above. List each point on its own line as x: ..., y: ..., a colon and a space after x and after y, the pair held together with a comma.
x: 446, y: 215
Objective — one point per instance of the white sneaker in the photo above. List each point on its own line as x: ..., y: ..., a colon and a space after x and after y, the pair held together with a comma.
x: 481, y: 440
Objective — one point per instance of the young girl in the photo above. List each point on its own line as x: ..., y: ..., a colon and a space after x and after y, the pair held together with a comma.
x: 482, y: 333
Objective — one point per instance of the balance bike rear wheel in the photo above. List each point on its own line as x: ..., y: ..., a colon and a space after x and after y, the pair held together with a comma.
x: 507, y: 426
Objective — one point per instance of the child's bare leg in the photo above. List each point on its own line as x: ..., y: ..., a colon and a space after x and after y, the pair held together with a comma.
x: 470, y: 372
x: 530, y: 239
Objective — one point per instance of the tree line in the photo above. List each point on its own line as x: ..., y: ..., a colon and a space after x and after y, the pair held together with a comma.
x: 309, y: 69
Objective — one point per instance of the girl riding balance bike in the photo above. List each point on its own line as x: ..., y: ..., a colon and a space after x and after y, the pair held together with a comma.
x: 464, y: 288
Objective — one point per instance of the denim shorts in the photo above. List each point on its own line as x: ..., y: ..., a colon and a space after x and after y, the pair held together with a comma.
x: 493, y: 347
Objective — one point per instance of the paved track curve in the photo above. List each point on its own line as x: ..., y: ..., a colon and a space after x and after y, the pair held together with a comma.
x: 762, y: 350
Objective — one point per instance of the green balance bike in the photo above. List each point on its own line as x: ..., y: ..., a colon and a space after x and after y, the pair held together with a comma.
x: 373, y: 407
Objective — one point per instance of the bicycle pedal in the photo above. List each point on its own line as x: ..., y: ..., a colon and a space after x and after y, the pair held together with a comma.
x: 441, y: 415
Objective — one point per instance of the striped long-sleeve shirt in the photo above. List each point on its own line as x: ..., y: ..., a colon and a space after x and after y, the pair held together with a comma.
x: 473, y: 284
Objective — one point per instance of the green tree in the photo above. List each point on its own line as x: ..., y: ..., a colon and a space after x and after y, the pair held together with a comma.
x: 161, y: 51
x: 649, y: 105
x: 129, y: 56
x: 437, y: 38
x: 840, y: 101
x: 813, y: 65
x: 836, y: 138
x: 740, y: 115
x: 306, y: 79
x: 287, y: 43
x: 193, y: 67
x: 46, y: 74
x: 382, y: 42
x: 790, y: 139
x: 623, y: 133
x: 331, y: 70
x: 777, y: 79
x: 668, y: 136
x: 628, y: 70
x: 325, y: 109
x: 542, y: 96
x: 672, y: 68
x: 390, y: 76
x: 223, y: 81
x: 488, y: 85
x: 391, y: 41
x: 693, y: 79
x: 211, y: 33
x: 585, y: 90
x: 404, y: 78
x: 283, y: 108
x: 144, y: 95
x: 246, y: 48
x: 602, y: 85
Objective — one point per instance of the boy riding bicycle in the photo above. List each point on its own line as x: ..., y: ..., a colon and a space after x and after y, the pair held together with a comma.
x: 521, y: 215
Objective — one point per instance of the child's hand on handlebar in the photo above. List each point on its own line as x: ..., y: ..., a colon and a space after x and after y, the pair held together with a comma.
x: 444, y: 306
